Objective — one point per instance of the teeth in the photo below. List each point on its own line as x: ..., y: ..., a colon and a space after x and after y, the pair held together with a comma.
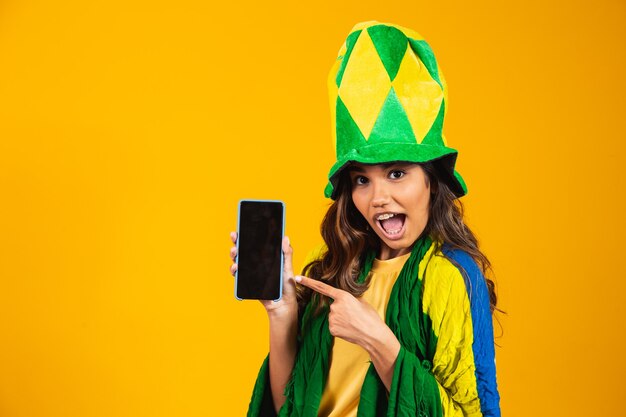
x: 385, y: 216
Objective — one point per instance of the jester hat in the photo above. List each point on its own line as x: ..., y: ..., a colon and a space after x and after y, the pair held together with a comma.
x: 388, y: 101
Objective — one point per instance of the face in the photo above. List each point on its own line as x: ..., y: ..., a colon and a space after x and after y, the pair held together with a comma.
x: 394, y: 199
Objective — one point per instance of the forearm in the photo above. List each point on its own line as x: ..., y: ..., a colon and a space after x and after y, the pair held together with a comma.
x: 383, y: 348
x: 283, y: 332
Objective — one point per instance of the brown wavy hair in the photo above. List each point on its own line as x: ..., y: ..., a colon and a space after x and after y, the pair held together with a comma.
x: 348, y: 237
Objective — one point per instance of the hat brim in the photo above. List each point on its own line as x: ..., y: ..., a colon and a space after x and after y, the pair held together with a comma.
x: 444, y: 158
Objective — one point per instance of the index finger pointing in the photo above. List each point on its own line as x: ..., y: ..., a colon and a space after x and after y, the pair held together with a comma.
x: 318, y: 286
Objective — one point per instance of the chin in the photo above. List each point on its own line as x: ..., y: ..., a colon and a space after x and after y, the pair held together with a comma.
x: 395, y: 244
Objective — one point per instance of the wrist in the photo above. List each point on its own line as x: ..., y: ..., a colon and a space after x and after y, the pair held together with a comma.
x: 285, y: 313
x: 283, y: 329
x: 384, y: 349
x: 381, y: 343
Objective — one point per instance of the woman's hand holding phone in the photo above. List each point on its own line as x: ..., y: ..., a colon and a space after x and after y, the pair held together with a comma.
x: 287, y: 306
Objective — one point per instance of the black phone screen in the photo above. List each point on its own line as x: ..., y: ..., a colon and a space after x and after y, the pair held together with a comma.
x: 259, y: 255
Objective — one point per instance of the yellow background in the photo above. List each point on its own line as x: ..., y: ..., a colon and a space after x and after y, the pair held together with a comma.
x: 129, y: 131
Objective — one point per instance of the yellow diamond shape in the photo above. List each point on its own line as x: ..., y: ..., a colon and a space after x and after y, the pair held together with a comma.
x: 332, y: 97
x: 419, y: 93
x: 365, y: 84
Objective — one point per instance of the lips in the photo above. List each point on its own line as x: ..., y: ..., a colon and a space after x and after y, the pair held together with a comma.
x: 392, y: 225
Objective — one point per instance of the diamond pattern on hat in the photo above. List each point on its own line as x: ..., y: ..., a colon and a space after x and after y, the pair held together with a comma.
x: 393, y: 124
x: 348, y: 133
x: 332, y: 98
x: 427, y: 56
x: 391, y: 45
x: 365, y: 84
x: 433, y: 137
x: 345, y: 57
x: 420, y: 95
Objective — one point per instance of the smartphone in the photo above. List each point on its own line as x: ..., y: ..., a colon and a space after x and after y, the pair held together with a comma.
x: 260, y: 231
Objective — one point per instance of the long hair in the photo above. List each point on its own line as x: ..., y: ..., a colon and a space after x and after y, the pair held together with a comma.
x: 348, y: 239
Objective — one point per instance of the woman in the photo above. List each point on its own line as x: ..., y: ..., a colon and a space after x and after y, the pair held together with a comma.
x: 393, y: 317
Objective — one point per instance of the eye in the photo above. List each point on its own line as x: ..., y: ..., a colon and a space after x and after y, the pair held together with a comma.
x: 360, y: 180
x: 397, y: 173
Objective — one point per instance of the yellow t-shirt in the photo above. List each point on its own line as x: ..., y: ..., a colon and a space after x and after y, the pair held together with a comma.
x: 349, y: 362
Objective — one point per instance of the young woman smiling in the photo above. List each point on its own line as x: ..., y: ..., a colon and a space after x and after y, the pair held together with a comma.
x: 393, y: 316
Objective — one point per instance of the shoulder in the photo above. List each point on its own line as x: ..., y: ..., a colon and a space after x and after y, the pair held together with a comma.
x: 450, y: 266
x: 465, y: 264
x: 439, y: 271
x: 452, y: 276
x: 472, y: 277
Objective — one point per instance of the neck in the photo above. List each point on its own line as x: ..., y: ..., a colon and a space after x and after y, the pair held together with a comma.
x: 387, y: 253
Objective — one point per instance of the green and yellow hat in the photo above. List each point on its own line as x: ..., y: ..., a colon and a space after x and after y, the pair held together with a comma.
x: 388, y: 100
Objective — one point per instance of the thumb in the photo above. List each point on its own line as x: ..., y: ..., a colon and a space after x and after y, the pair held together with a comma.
x: 288, y: 252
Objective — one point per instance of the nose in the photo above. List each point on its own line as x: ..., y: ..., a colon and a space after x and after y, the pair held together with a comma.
x: 380, y: 196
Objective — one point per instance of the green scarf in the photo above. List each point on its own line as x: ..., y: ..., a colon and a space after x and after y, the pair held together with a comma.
x: 305, y: 388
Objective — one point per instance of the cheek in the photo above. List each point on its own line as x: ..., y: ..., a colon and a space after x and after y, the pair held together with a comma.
x: 419, y: 201
x: 359, y: 203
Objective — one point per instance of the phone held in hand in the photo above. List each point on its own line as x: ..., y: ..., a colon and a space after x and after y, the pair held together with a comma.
x: 260, y: 230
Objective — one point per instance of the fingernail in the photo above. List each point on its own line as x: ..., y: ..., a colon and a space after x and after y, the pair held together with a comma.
x: 288, y: 242
x: 298, y: 278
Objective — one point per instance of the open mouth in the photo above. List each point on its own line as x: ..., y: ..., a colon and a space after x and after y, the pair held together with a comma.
x: 392, y: 224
